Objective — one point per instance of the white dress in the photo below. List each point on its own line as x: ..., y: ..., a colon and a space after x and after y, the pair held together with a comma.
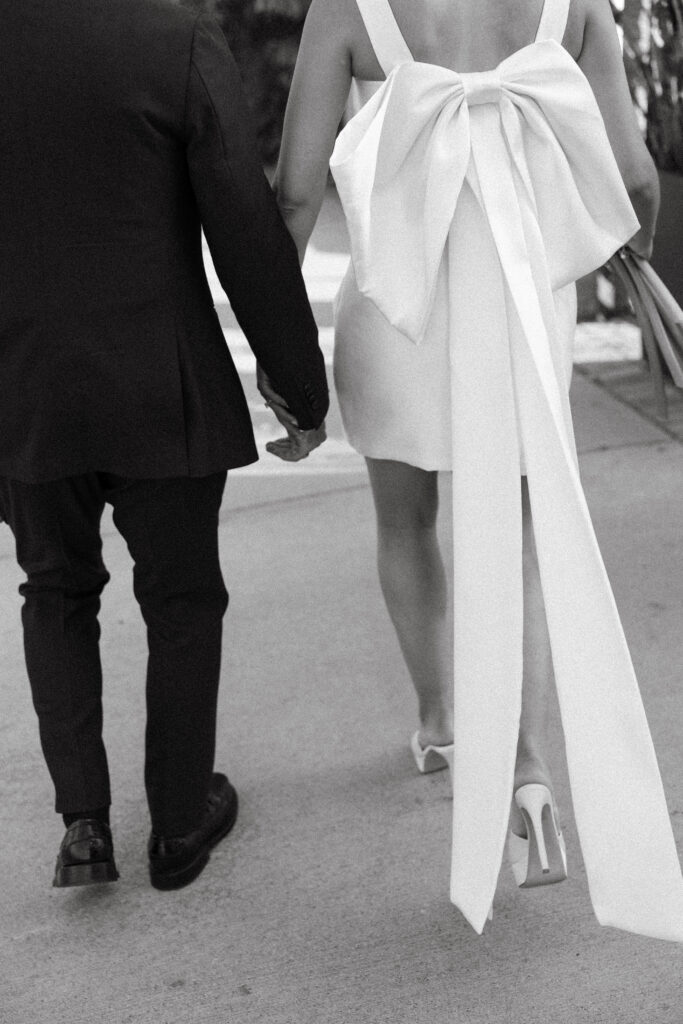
x: 473, y: 202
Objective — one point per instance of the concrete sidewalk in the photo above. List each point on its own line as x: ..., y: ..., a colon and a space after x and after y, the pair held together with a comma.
x: 329, y: 902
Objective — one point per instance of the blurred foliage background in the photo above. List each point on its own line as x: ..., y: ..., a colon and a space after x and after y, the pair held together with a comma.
x: 264, y: 36
x: 653, y: 54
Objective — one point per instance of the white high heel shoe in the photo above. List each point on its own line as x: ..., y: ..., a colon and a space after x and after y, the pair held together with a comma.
x: 540, y: 858
x: 431, y: 758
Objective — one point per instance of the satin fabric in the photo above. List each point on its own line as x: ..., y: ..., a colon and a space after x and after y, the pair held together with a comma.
x: 523, y: 145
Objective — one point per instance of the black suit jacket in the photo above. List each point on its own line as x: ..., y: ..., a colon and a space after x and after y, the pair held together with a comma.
x: 123, y: 129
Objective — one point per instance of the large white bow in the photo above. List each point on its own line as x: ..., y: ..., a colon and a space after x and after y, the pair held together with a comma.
x: 399, y: 177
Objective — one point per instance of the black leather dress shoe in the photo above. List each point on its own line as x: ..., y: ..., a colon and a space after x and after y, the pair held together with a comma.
x: 86, y: 855
x: 175, y: 862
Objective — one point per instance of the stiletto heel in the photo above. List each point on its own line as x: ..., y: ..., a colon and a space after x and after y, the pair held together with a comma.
x: 540, y: 858
x: 431, y: 758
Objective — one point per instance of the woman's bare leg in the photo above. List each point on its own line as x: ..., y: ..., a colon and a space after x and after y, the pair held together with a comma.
x: 532, y: 746
x: 413, y: 581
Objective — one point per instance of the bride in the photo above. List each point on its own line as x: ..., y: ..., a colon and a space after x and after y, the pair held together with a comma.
x: 496, y: 161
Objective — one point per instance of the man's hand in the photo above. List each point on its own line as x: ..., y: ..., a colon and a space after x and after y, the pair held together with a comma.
x: 298, y: 444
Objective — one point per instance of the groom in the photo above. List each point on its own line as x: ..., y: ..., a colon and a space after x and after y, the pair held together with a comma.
x: 124, y: 130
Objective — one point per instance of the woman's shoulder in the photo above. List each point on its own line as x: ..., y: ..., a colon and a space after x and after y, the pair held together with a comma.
x: 595, y: 12
x: 588, y: 15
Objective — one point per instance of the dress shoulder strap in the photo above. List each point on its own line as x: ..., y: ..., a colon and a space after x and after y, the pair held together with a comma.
x: 386, y: 37
x: 553, y: 20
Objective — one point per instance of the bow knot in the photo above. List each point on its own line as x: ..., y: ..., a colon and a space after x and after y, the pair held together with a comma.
x: 482, y: 87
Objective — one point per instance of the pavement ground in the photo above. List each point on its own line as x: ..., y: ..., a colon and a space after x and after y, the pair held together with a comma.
x: 328, y: 904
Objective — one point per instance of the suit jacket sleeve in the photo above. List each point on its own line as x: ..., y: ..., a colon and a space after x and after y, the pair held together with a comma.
x: 254, y: 255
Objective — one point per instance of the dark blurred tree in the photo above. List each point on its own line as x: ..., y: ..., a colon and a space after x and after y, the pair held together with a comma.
x: 264, y: 37
x: 653, y: 53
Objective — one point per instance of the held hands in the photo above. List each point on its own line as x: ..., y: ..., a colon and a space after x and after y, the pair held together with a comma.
x: 299, y: 443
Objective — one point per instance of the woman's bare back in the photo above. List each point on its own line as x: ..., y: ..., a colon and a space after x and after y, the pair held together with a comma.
x: 459, y: 34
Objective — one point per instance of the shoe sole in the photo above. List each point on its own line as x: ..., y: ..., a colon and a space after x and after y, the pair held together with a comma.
x: 85, y: 874
x: 166, y: 881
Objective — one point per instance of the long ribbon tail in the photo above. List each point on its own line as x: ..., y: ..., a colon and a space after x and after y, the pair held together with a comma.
x: 623, y: 823
x: 487, y: 556
x: 624, y: 827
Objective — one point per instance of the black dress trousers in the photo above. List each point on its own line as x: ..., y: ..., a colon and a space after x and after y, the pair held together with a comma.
x: 125, y: 132
x: 171, y: 529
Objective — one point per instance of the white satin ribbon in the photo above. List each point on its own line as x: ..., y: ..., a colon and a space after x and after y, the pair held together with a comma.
x: 528, y: 140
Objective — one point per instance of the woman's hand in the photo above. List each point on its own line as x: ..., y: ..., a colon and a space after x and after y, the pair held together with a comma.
x: 642, y: 244
x: 274, y: 401
x: 267, y: 391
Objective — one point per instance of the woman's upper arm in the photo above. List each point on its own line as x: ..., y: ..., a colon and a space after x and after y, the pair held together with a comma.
x: 602, y: 63
x: 320, y: 89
